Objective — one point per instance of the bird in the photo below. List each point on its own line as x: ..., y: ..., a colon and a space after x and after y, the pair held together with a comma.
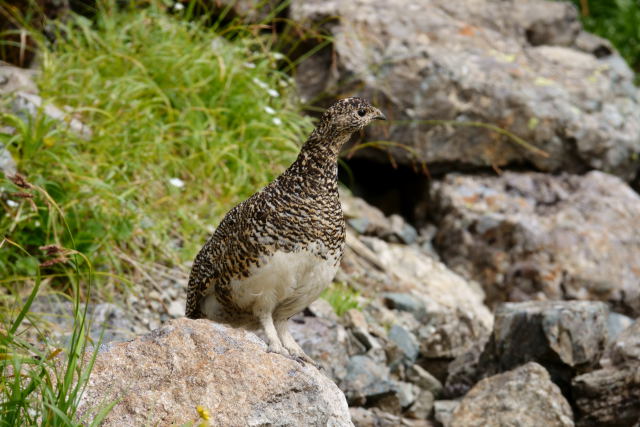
x: 274, y: 253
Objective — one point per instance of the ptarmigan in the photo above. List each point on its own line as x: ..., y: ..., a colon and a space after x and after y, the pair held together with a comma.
x: 274, y: 253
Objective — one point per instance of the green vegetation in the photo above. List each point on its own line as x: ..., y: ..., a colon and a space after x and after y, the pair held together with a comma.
x: 342, y: 297
x: 616, y: 20
x: 185, y: 122
x: 36, y: 386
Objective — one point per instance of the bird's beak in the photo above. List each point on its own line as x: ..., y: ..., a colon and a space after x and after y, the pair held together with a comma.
x: 379, y: 115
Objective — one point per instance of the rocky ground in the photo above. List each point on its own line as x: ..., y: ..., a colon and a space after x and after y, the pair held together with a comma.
x: 423, y: 348
x: 515, y: 300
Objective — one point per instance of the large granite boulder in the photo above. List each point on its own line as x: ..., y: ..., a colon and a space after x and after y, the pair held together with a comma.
x: 537, y: 236
x: 194, y: 369
x: 521, y: 65
x: 524, y: 397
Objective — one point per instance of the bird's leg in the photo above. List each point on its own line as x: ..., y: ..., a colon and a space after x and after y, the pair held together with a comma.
x: 275, y: 346
x: 289, y: 343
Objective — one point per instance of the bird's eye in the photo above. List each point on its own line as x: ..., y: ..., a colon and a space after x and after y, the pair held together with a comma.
x: 361, y: 113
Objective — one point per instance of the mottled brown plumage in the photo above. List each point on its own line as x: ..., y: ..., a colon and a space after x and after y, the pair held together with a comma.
x: 275, y: 252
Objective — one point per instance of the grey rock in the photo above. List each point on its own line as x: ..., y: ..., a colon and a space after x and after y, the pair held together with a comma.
x: 454, y: 313
x: 443, y: 411
x: 226, y: 371
x: 404, y: 232
x: 176, y: 308
x: 111, y: 322
x: 524, y: 397
x: 569, y: 332
x: 422, y: 407
x: 405, y: 302
x: 107, y: 322
x: 367, y: 382
x: 322, y: 308
x: 357, y: 323
x: 626, y: 347
x: 369, y: 220
x: 362, y: 417
x: 423, y: 379
x: 406, y: 342
x: 566, y: 337
x: 7, y: 165
x: 464, y: 371
x: 523, y: 65
x: 616, y: 323
x: 535, y: 236
x: 16, y: 79
x: 325, y: 341
x: 407, y: 393
x: 374, y: 417
x: 608, y: 397
x: 28, y: 104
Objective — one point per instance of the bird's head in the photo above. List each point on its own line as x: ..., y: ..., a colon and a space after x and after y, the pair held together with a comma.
x: 349, y: 115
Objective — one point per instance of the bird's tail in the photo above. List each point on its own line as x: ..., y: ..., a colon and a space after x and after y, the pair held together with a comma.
x: 192, y: 309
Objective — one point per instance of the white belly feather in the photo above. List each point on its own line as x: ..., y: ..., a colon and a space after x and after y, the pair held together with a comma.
x: 285, y: 284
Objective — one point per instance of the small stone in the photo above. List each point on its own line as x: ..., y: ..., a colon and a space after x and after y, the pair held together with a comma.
x: 176, y: 308
x: 359, y: 224
x: 322, y: 308
x: 406, y: 393
x: 423, y: 379
x: 627, y: 347
x: 366, y: 381
x: 617, y: 323
x: 373, y: 417
x: 357, y: 323
x: 388, y: 402
x: 7, y: 164
x: 406, y: 342
x: 325, y: 341
x: 405, y: 232
x: 422, y: 407
x: 404, y: 302
x: 443, y: 411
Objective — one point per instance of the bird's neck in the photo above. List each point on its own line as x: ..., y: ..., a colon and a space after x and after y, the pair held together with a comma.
x: 316, y: 168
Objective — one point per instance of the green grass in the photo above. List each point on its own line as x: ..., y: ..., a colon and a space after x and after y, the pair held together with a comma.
x: 41, y: 383
x: 168, y: 102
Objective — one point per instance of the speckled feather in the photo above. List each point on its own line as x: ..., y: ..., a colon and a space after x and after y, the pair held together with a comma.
x: 299, y: 211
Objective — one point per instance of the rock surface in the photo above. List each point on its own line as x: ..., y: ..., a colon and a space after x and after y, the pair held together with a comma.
x: 449, y: 310
x: 160, y: 378
x: 608, y: 397
x: 611, y: 396
x: 525, y: 397
x: 535, y: 236
x: 626, y: 347
x: 566, y: 337
x: 521, y: 65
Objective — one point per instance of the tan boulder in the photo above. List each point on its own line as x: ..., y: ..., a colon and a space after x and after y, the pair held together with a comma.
x: 192, y: 370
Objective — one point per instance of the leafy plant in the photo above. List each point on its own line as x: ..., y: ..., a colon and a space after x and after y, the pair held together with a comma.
x: 341, y: 297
